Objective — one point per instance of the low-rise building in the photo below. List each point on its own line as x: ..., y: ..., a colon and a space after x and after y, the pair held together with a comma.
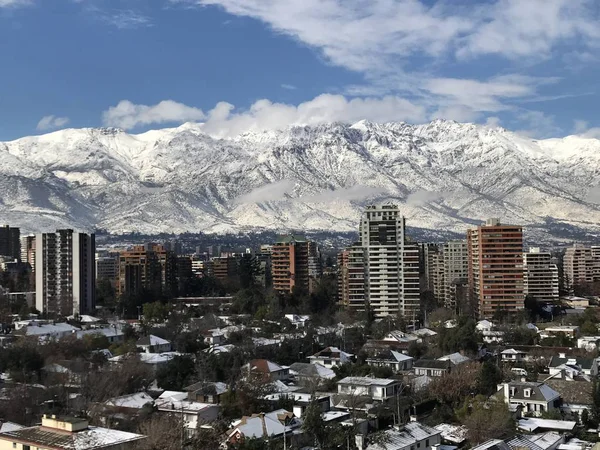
x: 571, y: 331
x: 67, y: 433
x: 153, y: 344
x: 271, y: 425
x: 265, y: 370
x: 535, y: 398
x: 394, y: 360
x: 432, y: 367
x: 331, y: 357
x: 511, y: 355
x: 378, y: 389
x: 192, y: 413
x: 206, y: 392
x: 573, y: 366
x: 412, y: 436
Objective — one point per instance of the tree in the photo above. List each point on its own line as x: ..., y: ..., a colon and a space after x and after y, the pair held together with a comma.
x: 485, y: 419
x: 176, y: 374
x: 462, y: 337
x: 595, y: 410
x: 163, y: 432
x: 488, y: 379
x: 155, y: 312
x: 453, y: 387
x: 249, y: 269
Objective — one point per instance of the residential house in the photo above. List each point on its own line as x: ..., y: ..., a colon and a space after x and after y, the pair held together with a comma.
x: 206, y: 392
x: 302, y: 400
x: 573, y: 366
x: 266, y: 370
x: 214, y: 337
x: 273, y: 425
x: 432, y: 367
x: 153, y: 344
x: 588, y: 343
x: 489, y: 332
x: 455, y: 358
x: 122, y: 411
x: 378, y: 389
x: 298, y: 321
x: 575, y: 396
x: 67, y: 372
x: 535, y: 398
x: 511, y: 355
x: 571, y: 331
x: 331, y: 357
x: 66, y: 433
x: 425, y: 334
x: 44, y: 330
x: 308, y: 374
x: 412, y: 436
x: 394, y: 360
x: 113, y: 334
x: 193, y: 414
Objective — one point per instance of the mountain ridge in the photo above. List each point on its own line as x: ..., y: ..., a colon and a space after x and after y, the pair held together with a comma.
x: 445, y: 175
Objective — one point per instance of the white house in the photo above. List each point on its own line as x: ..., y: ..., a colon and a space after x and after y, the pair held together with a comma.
x: 412, y: 436
x: 331, y: 357
x: 536, y: 398
x: 153, y: 344
x: 394, y: 360
x: 512, y: 355
x: 572, y: 367
x: 271, y: 425
x: 378, y: 389
x: 192, y: 413
x: 571, y: 331
x: 432, y: 367
x: 588, y: 343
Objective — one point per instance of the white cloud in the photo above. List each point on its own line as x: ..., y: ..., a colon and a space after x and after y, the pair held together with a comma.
x: 582, y: 128
x: 14, y: 3
x: 532, y: 28
x: 125, y: 19
x: 128, y: 115
x: 493, y: 122
x: 268, y: 193
x: 358, y: 192
x: 289, y: 87
x: 51, y: 122
x: 224, y: 120
x: 422, y: 197
x: 538, y: 124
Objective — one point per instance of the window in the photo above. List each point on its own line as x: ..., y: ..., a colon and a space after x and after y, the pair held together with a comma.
x: 527, y: 393
x: 14, y: 445
x: 427, y: 443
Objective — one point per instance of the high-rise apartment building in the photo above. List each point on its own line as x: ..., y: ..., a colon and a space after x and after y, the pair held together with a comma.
x: 581, y: 265
x: 295, y: 262
x: 432, y: 260
x: 28, y: 250
x: 65, y: 273
x: 540, y: 275
x: 351, y: 277
x: 391, y: 263
x: 496, y: 267
x: 456, y: 271
x: 10, y: 242
x: 156, y: 270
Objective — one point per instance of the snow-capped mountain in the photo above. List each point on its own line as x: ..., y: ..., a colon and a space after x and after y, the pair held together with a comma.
x: 445, y: 175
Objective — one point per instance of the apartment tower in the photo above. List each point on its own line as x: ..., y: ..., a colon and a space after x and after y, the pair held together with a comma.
x: 495, y: 272
x: 391, y: 263
x: 456, y: 272
x: 10, y: 242
x: 149, y: 267
x: 65, y: 273
x: 295, y: 262
x: 581, y: 265
x: 540, y: 275
x: 351, y: 277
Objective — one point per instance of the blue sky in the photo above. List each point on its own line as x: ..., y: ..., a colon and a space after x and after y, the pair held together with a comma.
x: 239, y: 65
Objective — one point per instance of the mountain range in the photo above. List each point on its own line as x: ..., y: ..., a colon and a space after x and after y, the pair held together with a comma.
x: 445, y: 176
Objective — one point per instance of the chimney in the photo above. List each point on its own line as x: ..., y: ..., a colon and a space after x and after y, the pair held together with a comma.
x: 562, y: 355
x: 413, y: 418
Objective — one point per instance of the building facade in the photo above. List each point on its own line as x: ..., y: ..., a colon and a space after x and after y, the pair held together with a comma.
x: 391, y: 263
x: 495, y: 272
x: 540, y: 275
x: 65, y: 273
x: 456, y: 272
x: 10, y: 242
x: 351, y: 277
x: 150, y: 267
x: 28, y: 250
x: 295, y: 262
x: 581, y: 265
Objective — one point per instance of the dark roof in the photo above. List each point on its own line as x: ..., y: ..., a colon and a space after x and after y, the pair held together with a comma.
x: 432, y: 364
x: 574, y: 392
x: 584, y: 363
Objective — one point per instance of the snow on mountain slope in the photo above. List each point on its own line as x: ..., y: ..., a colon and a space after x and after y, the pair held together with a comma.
x: 446, y: 175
